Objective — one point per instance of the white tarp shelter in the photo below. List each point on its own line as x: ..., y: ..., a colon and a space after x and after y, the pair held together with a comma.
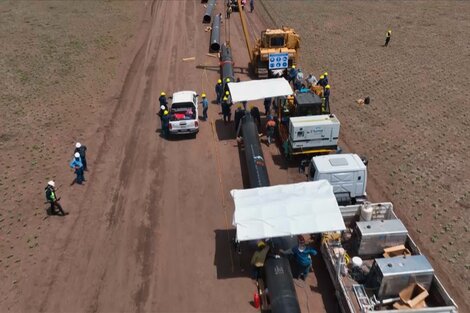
x: 259, y: 89
x: 286, y: 210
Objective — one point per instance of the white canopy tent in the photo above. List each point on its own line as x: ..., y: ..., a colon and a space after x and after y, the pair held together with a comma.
x: 286, y: 210
x: 259, y: 89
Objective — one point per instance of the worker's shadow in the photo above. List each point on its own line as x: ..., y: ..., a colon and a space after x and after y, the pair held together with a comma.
x: 224, y: 130
x: 227, y: 259
x: 324, y: 284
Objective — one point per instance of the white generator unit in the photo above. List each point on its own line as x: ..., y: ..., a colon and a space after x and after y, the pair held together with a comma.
x: 314, y: 131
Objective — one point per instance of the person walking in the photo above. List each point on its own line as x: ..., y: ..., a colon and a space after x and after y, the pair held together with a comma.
x: 163, y: 100
x: 388, y: 36
x: 270, y: 127
x: 205, y: 106
x: 218, y: 91
x: 166, y: 124
x: 252, y: 6
x: 267, y: 106
x: 77, y: 165
x: 226, y: 109
x: 229, y: 10
x: 82, y: 150
x: 326, y: 99
x: 254, y: 111
x: 302, y: 257
x: 52, y: 199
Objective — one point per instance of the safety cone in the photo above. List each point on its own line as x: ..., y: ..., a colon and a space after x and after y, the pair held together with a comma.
x: 256, y: 300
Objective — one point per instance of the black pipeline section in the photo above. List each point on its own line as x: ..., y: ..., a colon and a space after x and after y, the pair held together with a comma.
x: 257, y: 172
x: 208, y: 15
x: 215, y: 34
x: 277, y: 273
x: 226, y: 65
x: 281, y: 287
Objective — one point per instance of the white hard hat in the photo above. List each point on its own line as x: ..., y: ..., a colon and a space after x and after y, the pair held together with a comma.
x: 51, y: 183
x: 78, y: 145
x: 162, y: 107
x: 77, y: 155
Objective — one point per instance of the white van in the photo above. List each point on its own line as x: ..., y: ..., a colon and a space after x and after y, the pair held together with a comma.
x: 184, y: 113
x: 347, y: 173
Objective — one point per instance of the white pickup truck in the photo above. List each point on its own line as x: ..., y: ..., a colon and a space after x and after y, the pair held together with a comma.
x: 184, y: 113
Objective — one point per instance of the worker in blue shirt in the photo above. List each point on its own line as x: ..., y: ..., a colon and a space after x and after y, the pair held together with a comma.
x: 292, y: 74
x: 205, y: 106
x: 218, y: 91
x: 77, y: 165
x: 302, y: 257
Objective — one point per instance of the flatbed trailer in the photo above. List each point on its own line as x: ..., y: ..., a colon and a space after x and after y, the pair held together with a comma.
x: 352, y: 296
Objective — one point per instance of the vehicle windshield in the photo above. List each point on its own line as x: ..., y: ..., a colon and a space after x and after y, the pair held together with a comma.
x: 277, y: 41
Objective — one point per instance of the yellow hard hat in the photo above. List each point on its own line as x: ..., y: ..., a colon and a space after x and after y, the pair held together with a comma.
x: 293, y: 66
x: 227, y: 92
x: 389, y: 31
x: 261, y: 244
x: 165, y: 112
x: 227, y: 80
x: 162, y: 93
x: 321, y: 76
x: 327, y: 86
x: 225, y: 98
x: 203, y: 95
x: 326, y: 74
x: 219, y: 81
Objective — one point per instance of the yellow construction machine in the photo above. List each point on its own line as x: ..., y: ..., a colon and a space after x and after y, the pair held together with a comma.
x: 272, y: 42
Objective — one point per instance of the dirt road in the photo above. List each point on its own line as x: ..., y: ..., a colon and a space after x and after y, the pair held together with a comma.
x: 149, y: 230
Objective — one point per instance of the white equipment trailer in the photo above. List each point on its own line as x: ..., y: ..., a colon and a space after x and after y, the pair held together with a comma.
x: 372, y: 280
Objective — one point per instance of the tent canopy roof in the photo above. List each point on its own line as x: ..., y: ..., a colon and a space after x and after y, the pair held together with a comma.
x: 259, y: 89
x: 286, y: 210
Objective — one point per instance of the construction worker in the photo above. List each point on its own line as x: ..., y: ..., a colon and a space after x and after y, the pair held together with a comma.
x: 270, y: 127
x: 321, y: 81
x: 302, y: 257
x: 325, y: 78
x: 229, y: 10
x: 267, y: 106
x: 52, y: 198
x: 163, y: 100
x: 218, y: 90
x: 311, y: 80
x: 254, y: 111
x: 252, y: 6
x: 77, y: 165
x: 292, y: 74
x: 298, y: 80
x: 258, y: 258
x: 239, y: 113
x: 227, y: 80
x: 82, y: 150
x: 388, y: 36
x: 205, y: 106
x: 226, y: 109
x: 326, y: 99
x: 166, y: 124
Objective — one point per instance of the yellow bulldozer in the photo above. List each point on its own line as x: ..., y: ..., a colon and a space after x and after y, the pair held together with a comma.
x: 272, y: 41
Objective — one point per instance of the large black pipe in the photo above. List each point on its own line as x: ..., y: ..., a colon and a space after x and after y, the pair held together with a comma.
x: 208, y: 15
x: 226, y: 65
x: 280, y: 285
x: 215, y: 34
x: 257, y: 172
